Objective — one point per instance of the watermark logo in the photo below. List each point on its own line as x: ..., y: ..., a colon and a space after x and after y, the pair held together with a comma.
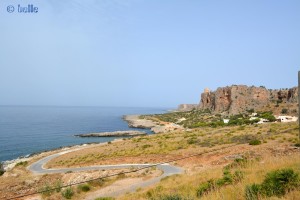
x: 30, y: 8
x: 10, y: 9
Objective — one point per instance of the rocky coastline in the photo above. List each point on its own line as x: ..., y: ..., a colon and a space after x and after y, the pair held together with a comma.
x: 134, y: 121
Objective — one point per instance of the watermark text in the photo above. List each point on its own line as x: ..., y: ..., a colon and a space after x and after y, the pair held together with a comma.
x: 30, y: 8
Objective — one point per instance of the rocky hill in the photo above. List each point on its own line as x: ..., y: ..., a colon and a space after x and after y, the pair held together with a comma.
x: 240, y: 98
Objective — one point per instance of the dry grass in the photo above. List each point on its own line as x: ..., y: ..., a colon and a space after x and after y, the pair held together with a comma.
x: 162, y: 147
x: 19, y: 181
x: 186, y: 185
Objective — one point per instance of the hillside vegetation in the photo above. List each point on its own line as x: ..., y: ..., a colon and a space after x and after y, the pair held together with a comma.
x: 234, y: 161
x: 201, y: 118
x: 158, y: 147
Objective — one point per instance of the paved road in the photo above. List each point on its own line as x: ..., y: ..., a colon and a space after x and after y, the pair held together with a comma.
x: 38, y: 168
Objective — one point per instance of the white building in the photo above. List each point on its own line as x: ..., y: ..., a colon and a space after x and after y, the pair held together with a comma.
x: 286, y: 118
x: 226, y: 121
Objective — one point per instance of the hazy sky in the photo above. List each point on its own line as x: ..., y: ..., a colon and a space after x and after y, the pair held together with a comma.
x: 144, y: 52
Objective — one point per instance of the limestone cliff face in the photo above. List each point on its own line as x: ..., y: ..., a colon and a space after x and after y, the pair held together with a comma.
x: 286, y: 95
x: 239, y: 98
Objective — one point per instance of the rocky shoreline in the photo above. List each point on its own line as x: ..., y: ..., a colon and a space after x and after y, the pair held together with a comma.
x: 113, y: 134
x: 134, y: 121
x: 9, y: 164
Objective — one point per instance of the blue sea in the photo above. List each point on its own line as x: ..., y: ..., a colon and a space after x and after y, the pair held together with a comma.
x: 25, y: 130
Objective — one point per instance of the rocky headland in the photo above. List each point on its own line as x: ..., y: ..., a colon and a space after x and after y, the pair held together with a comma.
x: 134, y: 121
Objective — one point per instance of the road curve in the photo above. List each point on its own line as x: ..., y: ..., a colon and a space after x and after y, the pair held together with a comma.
x: 168, y: 170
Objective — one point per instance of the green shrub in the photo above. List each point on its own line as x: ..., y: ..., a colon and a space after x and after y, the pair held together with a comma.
x: 145, y: 146
x: 252, y: 192
x: 279, y: 182
x: 238, y: 176
x: 49, y: 189
x: 58, y: 185
x: 198, y: 124
x: 267, y: 115
x: 255, y: 142
x: 192, y: 141
x: 204, y: 188
x: 284, y: 111
x: 279, y: 101
x: 276, y: 183
x: 240, y: 162
x: 46, y: 190
x: 105, y: 198
x: 227, y: 178
x: 84, y: 187
x: 297, y: 145
x: 1, y: 169
x: 98, y: 182
x: 216, y: 124
x: 22, y: 163
x: 67, y: 193
x: 171, y: 197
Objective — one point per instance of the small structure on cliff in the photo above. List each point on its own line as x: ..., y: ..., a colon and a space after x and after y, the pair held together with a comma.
x: 206, y: 90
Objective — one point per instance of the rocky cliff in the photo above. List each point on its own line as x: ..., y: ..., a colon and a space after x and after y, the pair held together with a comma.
x: 239, y: 98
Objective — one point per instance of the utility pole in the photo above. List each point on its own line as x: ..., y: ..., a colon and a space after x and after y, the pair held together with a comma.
x: 299, y: 103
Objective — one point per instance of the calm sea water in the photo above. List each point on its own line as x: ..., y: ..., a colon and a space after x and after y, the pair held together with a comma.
x: 29, y: 129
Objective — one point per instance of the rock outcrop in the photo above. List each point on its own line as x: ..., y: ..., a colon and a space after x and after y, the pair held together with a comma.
x: 239, y: 98
x: 286, y: 95
x: 113, y: 134
x: 134, y: 121
x: 187, y: 107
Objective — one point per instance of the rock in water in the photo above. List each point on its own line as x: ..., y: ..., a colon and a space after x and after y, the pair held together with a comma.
x: 113, y: 134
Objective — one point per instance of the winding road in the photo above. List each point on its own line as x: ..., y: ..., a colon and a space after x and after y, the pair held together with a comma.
x: 38, y: 168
